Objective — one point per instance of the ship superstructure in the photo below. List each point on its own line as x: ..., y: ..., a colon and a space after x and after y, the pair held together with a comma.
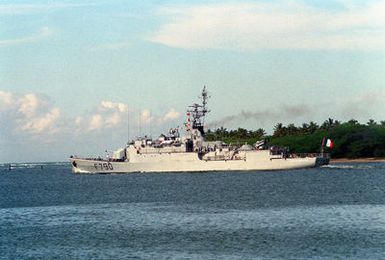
x: 190, y: 152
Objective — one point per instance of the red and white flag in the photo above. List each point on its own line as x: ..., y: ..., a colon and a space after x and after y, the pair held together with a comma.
x: 329, y: 143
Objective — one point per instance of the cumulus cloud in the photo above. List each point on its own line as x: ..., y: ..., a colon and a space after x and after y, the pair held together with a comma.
x: 96, y: 122
x: 114, y: 106
x: 78, y: 120
x: 113, y: 120
x: 114, y: 115
x: 6, y: 100
x: 172, y: 114
x: 145, y: 116
x: 101, y: 121
x: 108, y: 114
x: 28, y: 104
x: 45, y: 122
x: 272, y: 25
x: 29, y: 113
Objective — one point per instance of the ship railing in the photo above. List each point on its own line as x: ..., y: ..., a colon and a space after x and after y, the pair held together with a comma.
x: 88, y: 158
x: 98, y: 159
x: 307, y: 155
x: 300, y: 155
x: 223, y: 158
x: 161, y: 150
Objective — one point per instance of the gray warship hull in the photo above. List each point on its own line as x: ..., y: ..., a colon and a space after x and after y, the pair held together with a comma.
x: 190, y: 162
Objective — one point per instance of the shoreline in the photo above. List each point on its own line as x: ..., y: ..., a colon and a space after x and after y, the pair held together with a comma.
x: 357, y: 160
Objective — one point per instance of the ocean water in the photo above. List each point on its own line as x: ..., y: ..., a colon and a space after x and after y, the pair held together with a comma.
x: 336, y: 211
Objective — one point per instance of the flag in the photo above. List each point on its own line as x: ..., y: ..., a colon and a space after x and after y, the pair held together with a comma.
x: 329, y: 143
x: 323, y: 143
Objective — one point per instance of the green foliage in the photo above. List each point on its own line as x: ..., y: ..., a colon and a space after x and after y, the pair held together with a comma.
x: 300, y: 143
x: 351, y: 139
x: 238, y: 136
x: 354, y: 140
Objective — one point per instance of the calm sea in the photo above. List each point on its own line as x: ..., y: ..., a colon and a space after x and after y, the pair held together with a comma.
x: 332, y: 212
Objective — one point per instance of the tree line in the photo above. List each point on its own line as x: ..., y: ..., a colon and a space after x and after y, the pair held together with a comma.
x: 351, y: 139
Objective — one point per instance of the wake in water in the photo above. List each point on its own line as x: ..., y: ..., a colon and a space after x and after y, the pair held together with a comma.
x: 349, y: 166
x: 357, y: 166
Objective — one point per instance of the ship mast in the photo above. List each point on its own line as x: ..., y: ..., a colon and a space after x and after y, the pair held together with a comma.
x: 198, y: 112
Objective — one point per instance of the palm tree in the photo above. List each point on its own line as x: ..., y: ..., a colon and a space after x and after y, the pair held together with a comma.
x: 371, y: 122
x: 221, y: 132
x: 292, y: 129
x: 242, y: 133
x: 260, y: 132
x: 328, y: 124
x: 279, y: 130
x: 353, y: 122
x: 304, y: 128
x: 313, y: 127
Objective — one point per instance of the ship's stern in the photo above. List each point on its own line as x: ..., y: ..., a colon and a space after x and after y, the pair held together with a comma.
x: 322, y: 159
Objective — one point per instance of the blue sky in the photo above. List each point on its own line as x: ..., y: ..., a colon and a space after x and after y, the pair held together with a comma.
x: 70, y: 70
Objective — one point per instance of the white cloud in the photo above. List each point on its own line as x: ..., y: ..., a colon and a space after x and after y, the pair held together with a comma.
x: 28, y: 114
x: 172, y: 114
x: 277, y: 25
x: 46, y: 122
x: 42, y: 34
x: 114, y: 106
x: 109, y: 114
x: 112, y: 115
x: 6, y: 100
x: 78, y: 120
x: 145, y: 116
x: 113, y: 120
x: 96, y: 122
x: 29, y: 104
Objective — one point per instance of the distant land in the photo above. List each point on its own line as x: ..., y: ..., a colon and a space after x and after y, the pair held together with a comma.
x: 351, y: 139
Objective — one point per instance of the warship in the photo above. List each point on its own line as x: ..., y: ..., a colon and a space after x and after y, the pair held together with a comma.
x: 191, y: 152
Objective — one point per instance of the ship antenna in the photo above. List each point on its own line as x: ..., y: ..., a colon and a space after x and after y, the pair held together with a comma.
x: 128, y: 125
x: 150, y: 125
x: 204, y: 96
x: 140, y: 124
x: 198, y: 112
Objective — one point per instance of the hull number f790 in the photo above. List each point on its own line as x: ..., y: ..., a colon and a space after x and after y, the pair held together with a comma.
x: 103, y: 166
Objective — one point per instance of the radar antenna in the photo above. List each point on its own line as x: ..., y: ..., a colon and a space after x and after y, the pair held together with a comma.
x: 198, y: 112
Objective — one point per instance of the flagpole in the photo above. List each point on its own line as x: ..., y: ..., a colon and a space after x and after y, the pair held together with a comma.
x: 322, y: 146
x: 128, y: 126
